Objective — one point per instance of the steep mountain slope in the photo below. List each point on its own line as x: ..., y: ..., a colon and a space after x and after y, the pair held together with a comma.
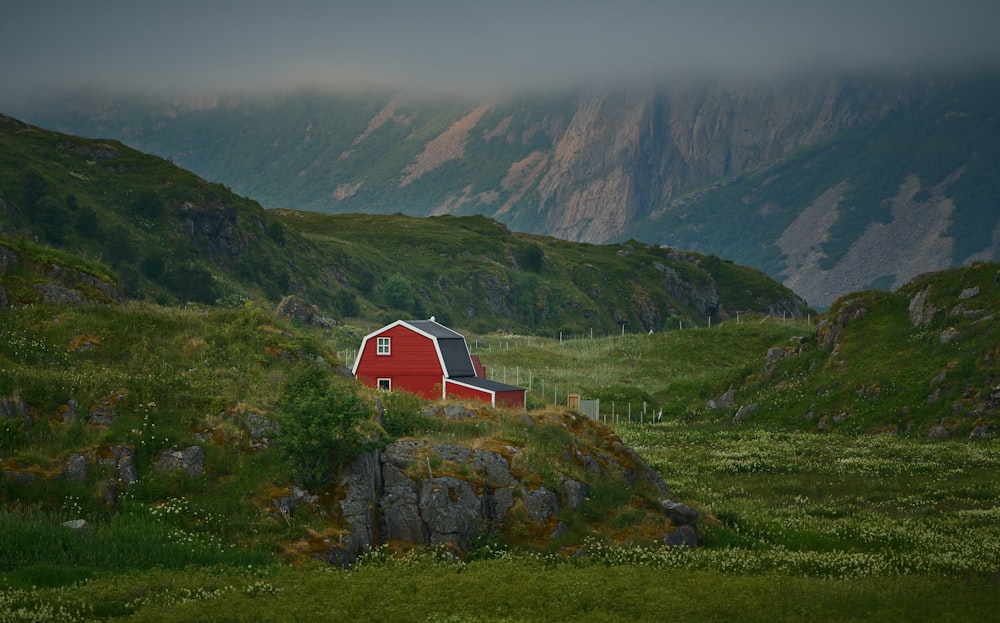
x: 871, y: 207
x: 784, y: 176
x: 147, y: 229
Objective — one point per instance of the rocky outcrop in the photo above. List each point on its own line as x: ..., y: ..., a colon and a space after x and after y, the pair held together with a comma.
x: 922, y: 310
x: 121, y: 459
x: 830, y: 328
x: 77, y: 467
x: 57, y: 284
x: 105, y: 410
x: 214, y: 229
x: 58, y: 295
x: 14, y: 409
x: 294, y: 308
x: 427, y: 493
x: 703, y: 298
x: 77, y: 286
x: 190, y: 460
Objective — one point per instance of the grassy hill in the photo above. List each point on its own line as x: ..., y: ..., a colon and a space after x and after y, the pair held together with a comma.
x: 919, y: 359
x: 160, y: 233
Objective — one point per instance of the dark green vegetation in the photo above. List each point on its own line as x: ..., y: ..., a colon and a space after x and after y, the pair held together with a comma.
x: 159, y: 233
x: 473, y: 272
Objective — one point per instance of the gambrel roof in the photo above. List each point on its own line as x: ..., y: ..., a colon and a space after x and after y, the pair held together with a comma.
x: 453, y: 352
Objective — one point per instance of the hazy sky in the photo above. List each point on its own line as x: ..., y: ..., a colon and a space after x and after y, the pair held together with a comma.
x: 459, y: 44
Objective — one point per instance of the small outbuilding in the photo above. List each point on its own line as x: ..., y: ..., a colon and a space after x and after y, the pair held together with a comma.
x: 430, y: 360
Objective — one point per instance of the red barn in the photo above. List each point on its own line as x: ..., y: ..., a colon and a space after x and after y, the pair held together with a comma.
x: 431, y: 360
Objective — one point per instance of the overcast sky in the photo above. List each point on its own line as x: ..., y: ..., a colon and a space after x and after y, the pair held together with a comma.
x: 466, y: 44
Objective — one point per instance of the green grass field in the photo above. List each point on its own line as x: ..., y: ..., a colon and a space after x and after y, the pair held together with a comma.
x: 796, y: 526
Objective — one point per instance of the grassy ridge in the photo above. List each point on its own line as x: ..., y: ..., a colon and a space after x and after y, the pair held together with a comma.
x: 472, y: 272
x: 161, y: 234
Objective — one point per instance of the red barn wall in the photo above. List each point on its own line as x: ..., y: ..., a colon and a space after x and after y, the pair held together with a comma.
x: 512, y: 399
x: 461, y: 391
x: 412, y: 363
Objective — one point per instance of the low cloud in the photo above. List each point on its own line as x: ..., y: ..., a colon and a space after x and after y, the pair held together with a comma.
x: 451, y: 45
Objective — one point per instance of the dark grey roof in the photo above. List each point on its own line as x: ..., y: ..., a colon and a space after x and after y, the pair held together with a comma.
x: 457, y: 361
x: 487, y: 384
x: 432, y: 328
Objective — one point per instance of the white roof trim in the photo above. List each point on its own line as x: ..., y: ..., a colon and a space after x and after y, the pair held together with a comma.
x: 417, y: 330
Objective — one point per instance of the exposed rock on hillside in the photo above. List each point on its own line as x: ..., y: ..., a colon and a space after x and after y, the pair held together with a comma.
x: 190, y: 460
x: 52, y: 283
x: 213, y: 228
x: 921, y: 309
x: 423, y: 492
x: 295, y: 308
x: 830, y: 327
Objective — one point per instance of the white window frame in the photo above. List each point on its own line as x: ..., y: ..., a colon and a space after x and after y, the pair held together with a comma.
x: 383, y: 346
x: 385, y: 384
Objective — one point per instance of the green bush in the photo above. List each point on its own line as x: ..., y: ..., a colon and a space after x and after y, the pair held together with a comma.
x: 147, y: 205
x: 320, y: 426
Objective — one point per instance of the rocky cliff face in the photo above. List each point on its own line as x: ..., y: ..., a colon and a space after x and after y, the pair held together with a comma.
x: 624, y: 154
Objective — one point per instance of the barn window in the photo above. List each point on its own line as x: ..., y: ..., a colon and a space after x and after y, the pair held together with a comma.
x: 385, y: 384
x: 383, y: 346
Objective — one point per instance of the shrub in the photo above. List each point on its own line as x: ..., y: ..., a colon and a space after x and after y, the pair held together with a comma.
x: 153, y: 266
x: 319, y: 426
x: 398, y: 292
x: 532, y: 258
x: 147, y: 205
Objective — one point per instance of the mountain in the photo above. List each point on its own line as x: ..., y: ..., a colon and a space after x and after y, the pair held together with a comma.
x: 96, y: 220
x: 827, y: 182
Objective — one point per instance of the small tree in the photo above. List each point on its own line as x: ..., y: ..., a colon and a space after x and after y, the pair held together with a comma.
x: 320, y: 426
x: 398, y: 292
x: 532, y: 258
x: 148, y: 205
x: 86, y: 223
x: 53, y: 219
